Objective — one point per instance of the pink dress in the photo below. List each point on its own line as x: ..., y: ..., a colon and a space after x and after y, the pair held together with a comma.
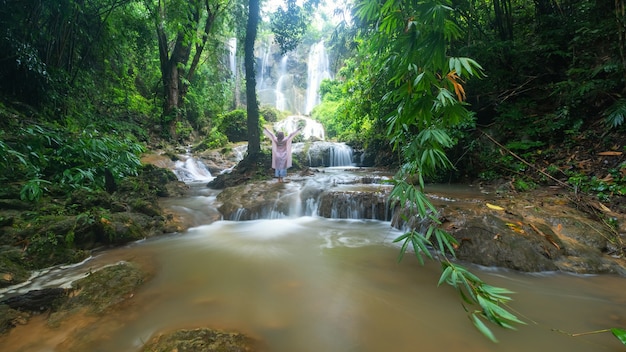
x: 281, y: 151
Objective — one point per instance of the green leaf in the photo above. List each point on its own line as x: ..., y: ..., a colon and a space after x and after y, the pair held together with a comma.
x: 482, y: 327
x: 620, y: 334
x: 445, y: 275
x: 402, y: 237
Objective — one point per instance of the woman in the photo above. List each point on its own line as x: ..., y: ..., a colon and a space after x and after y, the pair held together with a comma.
x: 281, y: 151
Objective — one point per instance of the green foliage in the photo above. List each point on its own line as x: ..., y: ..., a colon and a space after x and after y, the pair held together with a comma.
x: 33, y: 189
x: 213, y: 140
x: 45, y: 156
x: 233, y: 125
x: 423, y: 96
x: 523, y: 185
x: 474, y: 291
x: 616, y: 114
x: 604, y: 189
x: 288, y: 26
x: 270, y: 114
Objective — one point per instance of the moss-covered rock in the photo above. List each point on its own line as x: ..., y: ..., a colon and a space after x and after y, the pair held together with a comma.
x: 12, y: 266
x: 105, y: 288
x: 201, y: 340
x: 9, y: 318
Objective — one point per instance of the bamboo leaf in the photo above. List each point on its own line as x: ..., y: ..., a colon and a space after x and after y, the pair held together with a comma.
x: 620, y: 334
x: 445, y: 275
x: 403, y: 250
x: 402, y: 237
x: 482, y: 327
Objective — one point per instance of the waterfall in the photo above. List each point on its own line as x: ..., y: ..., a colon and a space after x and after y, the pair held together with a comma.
x: 232, y: 57
x: 282, y: 75
x: 265, y: 65
x: 318, y: 69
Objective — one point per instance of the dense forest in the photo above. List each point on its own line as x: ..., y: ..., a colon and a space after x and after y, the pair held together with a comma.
x: 548, y: 76
x: 522, y: 93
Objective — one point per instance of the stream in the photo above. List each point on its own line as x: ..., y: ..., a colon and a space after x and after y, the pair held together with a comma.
x: 307, y: 283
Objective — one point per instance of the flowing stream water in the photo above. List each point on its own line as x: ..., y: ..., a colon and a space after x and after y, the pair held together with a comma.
x: 308, y: 283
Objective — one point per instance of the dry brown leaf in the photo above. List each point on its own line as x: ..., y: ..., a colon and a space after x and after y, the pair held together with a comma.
x: 494, y: 207
x: 604, y: 208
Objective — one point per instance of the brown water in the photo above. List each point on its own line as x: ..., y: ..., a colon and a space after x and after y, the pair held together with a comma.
x: 312, y: 284
x: 315, y: 284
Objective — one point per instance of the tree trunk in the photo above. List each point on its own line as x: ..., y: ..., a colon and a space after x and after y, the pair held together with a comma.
x: 174, y: 69
x: 254, y: 140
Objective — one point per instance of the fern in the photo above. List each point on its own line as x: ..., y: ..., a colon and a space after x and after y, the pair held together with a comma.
x: 616, y: 114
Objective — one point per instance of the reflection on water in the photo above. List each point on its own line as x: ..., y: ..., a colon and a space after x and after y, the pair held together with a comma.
x: 313, y: 284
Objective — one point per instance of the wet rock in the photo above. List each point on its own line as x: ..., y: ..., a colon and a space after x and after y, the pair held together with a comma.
x: 253, y: 201
x: 105, y: 288
x: 37, y: 300
x: 354, y: 205
x: 488, y: 241
x: 201, y: 340
x: 528, y: 232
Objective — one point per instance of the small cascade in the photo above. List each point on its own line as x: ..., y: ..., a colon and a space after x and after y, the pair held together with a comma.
x: 340, y: 155
x: 318, y: 70
x: 192, y: 170
x: 330, y: 194
x: 354, y: 205
x: 325, y: 154
x: 240, y: 152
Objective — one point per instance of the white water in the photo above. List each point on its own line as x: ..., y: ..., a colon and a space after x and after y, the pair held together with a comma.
x: 318, y: 69
x: 286, y: 87
x: 281, y: 101
x: 340, y: 155
x: 312, y: 128
x: 192, y: 170
x: 232, y: 55
x: 264, y: 78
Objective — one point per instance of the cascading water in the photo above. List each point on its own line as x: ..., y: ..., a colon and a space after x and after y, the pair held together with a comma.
x: 312, y: 129
x: 281, y: 102
x: 340, y: 155
x: 318, y: 70
x: 192, y: 170
x: 325, y: 154
x: 263, y: 81
x: 232, y: 57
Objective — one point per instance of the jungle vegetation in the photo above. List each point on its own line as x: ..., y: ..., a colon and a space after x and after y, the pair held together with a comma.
x: 531, y: 92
